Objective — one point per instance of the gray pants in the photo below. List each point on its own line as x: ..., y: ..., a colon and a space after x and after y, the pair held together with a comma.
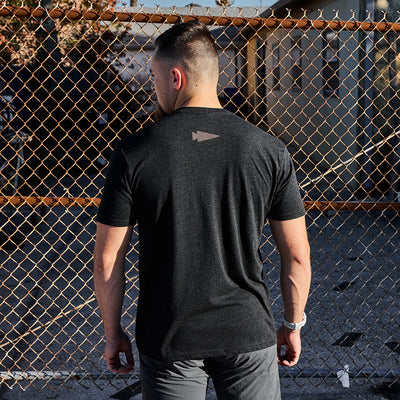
x: 248, y: 376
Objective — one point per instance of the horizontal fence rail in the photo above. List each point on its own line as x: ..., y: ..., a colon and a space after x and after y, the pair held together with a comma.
x: 74, y: 81
x: 158, y: 18
x: 95, y: 202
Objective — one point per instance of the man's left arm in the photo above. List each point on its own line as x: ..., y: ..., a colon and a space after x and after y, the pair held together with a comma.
x: 109, y: 282
x: 291, y: 239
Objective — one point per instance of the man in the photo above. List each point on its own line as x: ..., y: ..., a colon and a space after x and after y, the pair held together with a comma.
x: 201, y: 183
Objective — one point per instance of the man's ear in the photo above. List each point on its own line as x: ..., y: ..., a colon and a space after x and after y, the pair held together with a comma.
x: 178, y: 78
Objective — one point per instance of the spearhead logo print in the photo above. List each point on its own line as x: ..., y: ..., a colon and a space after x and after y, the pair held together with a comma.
x: 200, y: 136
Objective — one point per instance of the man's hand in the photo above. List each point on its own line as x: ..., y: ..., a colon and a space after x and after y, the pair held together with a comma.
x: 289, y: 356
x: 115, y: 346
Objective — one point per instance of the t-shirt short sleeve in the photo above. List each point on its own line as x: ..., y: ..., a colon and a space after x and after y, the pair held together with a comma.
x: 286, y: 201
x: 116, y: 207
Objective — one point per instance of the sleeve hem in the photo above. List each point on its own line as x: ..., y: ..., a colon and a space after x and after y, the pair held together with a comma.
x: 115, y: 223
x: 287, y: 217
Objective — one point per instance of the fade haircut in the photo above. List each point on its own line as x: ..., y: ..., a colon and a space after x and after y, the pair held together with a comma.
x: 188, y: 44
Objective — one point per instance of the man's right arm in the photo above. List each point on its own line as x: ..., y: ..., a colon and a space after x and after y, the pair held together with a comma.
x: 291, y: 239
x: 109, y: 282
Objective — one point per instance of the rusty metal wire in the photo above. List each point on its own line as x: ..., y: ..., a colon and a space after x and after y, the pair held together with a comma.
x: 223, y: 20
x: 74, y: 81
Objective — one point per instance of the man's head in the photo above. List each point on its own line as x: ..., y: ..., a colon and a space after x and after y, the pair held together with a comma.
x: 184, y: 65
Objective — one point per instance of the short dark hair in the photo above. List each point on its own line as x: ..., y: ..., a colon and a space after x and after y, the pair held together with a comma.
x: 185, y: 42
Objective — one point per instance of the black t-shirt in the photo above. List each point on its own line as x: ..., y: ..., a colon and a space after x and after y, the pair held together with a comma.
x: 201, y: 183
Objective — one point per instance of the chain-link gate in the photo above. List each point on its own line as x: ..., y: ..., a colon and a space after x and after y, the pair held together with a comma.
x: 74, y: 81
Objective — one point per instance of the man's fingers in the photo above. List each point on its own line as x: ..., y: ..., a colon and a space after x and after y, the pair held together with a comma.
x: 119, y: 368
x: 125, y: 369
x: 286, y: 363
x: 287, y: 357
x: 115, y: 365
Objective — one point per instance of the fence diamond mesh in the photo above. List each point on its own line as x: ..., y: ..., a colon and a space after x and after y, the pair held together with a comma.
x: 74, y: 81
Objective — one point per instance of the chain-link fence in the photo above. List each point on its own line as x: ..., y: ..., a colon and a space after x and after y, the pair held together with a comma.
x: 73, y: 82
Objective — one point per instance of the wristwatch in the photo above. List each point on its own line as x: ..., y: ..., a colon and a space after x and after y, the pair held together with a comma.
x: 293, y: 326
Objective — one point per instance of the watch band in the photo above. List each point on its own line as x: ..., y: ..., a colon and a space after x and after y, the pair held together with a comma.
x: 292, y: 325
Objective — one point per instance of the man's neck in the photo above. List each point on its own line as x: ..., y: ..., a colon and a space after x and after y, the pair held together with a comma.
x: 207, y: 100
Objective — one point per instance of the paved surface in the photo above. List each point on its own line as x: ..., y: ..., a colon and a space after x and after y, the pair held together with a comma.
x: 302, y: 390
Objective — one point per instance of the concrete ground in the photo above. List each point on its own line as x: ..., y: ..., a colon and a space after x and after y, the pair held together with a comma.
x: 301, y: 389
